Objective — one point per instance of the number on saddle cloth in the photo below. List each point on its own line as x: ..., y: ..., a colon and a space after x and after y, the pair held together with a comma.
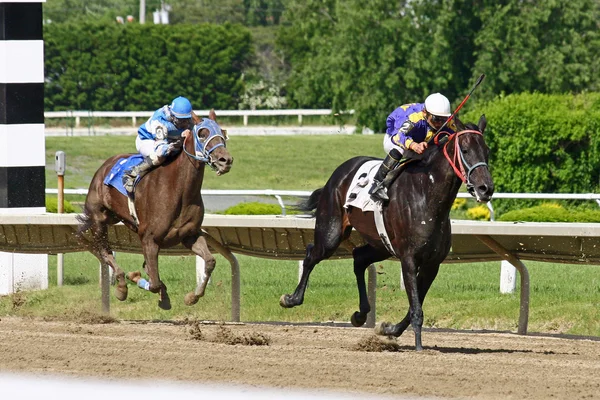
x: 115, y: 176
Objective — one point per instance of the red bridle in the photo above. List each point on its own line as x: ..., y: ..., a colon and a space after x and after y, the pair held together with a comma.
x: 458, y: 159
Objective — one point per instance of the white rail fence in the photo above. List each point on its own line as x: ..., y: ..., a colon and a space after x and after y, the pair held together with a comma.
x: 285, y: 238
x: 134, y: 115
x: 279, y: 194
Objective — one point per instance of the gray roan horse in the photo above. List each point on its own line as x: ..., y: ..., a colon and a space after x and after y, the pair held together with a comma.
x: 168, y: 204
x: 417, y: 220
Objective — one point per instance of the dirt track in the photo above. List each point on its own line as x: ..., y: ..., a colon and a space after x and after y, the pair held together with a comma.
x: 453, y: 364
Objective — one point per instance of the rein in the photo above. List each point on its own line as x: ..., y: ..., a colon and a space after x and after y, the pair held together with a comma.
x: 202, y: 150
x: 464, y: 170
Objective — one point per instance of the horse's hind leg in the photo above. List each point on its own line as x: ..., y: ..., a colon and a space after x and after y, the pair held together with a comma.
x: 200, y: 248
x: 329, y: 233
x: 363, y: 257
x: 101, y: 249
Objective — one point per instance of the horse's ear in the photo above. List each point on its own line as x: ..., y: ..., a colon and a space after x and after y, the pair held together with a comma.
x: 212, y: 115
x: 195, y: 119
x: 482, y: 123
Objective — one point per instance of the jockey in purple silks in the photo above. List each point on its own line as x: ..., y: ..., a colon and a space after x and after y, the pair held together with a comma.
x: 410, y: 126
x: 160, y: 137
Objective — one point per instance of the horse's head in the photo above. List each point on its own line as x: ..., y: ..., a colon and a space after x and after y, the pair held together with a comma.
x: 470, y: 160
x: 210, y: 144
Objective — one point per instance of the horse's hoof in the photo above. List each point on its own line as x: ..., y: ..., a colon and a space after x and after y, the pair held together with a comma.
x: 381, y: 328
x: 191, y: 299
x: 133, y: 275
x: 358, y: 319
x: 284, y: 301
x: 121, y: 293
x: 164, y: 302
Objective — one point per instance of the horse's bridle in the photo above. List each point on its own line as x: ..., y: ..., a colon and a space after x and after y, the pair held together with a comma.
x: 203, y: 152
x: 464, y: 170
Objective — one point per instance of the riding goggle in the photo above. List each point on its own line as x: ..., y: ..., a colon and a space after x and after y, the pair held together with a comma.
x: 182, y: 123
x: 436, y: 119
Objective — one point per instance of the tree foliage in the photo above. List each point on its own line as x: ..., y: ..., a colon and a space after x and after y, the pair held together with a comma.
x: 141, y: 67
x: 543, y: 143
x: 372, y: 55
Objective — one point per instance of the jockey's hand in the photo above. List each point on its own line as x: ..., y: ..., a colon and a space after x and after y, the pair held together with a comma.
x: 175, y: 147
x: 418, y: 148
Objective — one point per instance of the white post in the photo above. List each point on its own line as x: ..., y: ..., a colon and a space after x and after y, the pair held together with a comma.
x: 508, y: 277
x: 105, y: 287
x: 402, y: 287
x: 372, y: 295
x: 201, y: 270
x: 245, y: 119
x: 142, y: 11
x: 110, y: 274
x: 300, y: 269
x: 60, y: 167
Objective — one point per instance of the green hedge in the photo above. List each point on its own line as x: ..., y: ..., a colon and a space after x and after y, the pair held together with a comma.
x: 253, y: 208
x: 551, y: 212
x: 52, y: 205
x: 142, y: 67
x: 543, y: 144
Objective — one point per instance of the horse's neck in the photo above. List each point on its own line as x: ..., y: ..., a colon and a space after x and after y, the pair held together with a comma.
x: 190, y: 172
x: 446, y: 180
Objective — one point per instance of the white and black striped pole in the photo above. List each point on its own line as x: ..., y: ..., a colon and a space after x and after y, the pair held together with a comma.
x: 22, y: 144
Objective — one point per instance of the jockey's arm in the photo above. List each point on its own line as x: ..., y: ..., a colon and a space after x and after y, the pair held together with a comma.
x: 402, y: 136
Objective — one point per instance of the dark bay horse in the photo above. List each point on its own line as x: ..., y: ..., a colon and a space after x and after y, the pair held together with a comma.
x: 417, y: 221
x: 168, y: 204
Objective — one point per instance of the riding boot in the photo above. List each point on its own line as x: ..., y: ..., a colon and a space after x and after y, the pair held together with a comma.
x: 378, y: 190
x: 140, y: 170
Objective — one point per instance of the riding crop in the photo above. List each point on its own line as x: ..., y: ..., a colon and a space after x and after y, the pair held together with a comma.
x: 479, y: 80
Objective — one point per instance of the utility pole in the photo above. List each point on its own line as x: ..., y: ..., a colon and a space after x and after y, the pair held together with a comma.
x: 142, y: 11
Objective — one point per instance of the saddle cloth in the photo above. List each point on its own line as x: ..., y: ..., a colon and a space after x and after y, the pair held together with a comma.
x: 115, y: 176
x: 358, y: 196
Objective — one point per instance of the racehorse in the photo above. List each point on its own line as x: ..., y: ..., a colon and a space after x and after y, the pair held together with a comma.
x: 168, y: 205
x: 417, y: 220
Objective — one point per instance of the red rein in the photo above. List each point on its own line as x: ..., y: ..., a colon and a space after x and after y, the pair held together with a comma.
x: 457, y: 158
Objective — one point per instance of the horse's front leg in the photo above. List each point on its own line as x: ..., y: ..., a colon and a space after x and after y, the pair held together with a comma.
x: 425, y: 278
x: 199, y: 246
x: 150, y: 250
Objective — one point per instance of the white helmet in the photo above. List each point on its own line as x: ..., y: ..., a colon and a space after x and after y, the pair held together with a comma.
x: 438, y: 104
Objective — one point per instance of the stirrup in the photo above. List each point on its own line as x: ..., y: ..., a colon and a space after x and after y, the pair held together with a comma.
x: 378, y: 191
x: 128, y: 185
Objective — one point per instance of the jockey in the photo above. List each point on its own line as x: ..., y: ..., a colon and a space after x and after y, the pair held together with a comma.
x: 159, y: 137
x: 410, y: 126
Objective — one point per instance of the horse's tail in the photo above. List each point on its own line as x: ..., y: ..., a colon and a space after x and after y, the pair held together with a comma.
x: 85, y: 221
x: 310, y: 204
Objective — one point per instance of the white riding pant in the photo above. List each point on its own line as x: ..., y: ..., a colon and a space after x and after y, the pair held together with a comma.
x: 152, y: 148
x: 388, y: 145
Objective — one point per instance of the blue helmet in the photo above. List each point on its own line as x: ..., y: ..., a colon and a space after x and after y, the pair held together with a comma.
x: 181, y: 107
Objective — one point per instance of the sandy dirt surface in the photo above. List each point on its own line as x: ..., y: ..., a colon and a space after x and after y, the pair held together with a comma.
x: 453, y: 364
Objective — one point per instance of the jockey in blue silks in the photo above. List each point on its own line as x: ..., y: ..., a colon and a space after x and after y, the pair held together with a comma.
x: 410, y: 126
x: 160, y: 137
